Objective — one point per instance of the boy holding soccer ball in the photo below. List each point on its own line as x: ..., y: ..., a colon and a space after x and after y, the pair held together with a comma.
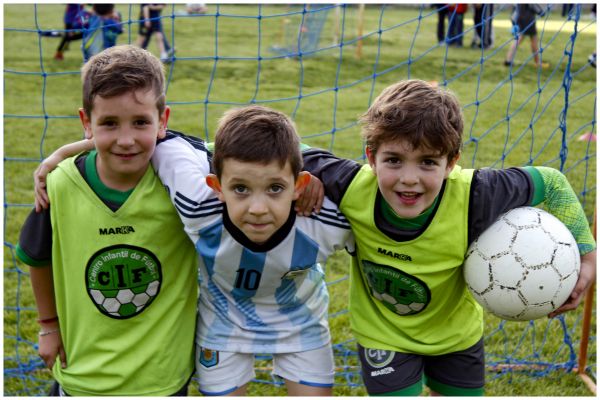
x: 113, y: 274
x: 262, y: 288
x: 414, y: 212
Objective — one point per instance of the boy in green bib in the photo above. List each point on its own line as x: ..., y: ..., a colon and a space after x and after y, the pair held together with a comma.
x: 414, y: 212
x: 112, y: 271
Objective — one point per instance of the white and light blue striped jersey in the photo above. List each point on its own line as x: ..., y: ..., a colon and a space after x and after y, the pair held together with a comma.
x: 268, y: 298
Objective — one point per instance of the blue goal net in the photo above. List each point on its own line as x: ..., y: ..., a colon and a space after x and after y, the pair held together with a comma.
x: 528, y: 99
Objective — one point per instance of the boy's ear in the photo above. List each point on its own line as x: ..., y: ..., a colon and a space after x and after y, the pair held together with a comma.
x: 85, y: 121
x: 213, y: 182
x: 164, y: 118
x: 370, y: 157
x: 301, y: 182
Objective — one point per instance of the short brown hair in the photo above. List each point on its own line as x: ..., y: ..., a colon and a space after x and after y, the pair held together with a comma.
x: 256, y: 134
x: 418, y: 112
x: 121, y: 69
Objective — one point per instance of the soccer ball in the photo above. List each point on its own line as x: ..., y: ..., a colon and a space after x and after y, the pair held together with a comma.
x: 125, y: 303
x: 524, y: 266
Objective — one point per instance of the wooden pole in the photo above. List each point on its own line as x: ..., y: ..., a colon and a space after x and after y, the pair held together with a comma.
x: 583, y: 346
x: 585, y: 330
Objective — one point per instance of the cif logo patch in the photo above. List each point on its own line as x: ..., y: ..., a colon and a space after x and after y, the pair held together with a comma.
x: 123, y: 280
x: 377, y: 358
x: 208, y: 358
x: 398, y: 291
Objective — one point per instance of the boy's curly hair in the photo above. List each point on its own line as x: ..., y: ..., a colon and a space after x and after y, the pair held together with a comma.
x: 417, y: 112
x: 121, y: 69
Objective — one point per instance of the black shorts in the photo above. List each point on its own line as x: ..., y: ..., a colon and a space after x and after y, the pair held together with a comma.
x: 156, y: 26
x: 455, y: 374
x: 527, y: 27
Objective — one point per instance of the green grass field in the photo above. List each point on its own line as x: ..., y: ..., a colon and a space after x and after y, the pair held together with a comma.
x: 512, y: 118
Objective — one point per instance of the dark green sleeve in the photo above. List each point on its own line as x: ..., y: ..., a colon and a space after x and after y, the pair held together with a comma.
x: 538, y: 184
x: 24, y: 257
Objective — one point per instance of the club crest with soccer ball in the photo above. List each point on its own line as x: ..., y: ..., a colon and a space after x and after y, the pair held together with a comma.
x: 524, y: 266
x: 123, y: 280
x: 399, y: 292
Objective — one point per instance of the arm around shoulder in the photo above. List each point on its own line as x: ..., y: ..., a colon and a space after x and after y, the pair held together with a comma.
x: 335, y: 173
x: 49, y: 164
x: 182, y: 164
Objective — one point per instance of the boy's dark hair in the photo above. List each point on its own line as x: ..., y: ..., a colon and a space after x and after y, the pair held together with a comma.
x: 256, y: 134
x: 103, y: 9
x: 121, y: 69
x: 418, y: 112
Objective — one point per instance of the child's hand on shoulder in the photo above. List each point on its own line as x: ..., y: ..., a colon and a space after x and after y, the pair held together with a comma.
x: 311, y: 198
x: 49, y: 164
x: 39, y: 181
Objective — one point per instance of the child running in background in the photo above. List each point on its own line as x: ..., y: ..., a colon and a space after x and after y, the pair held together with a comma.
x: 151, y: 23
x: 104, y: 26
x: 112, y: 272
x: 75, y: 18
x: 524, y: 19
x: 414, y: 212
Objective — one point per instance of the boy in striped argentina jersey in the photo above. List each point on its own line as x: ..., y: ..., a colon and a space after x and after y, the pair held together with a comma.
x: 262, y: 287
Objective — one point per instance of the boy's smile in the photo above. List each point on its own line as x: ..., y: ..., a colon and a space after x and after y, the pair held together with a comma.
x: 258, y: 196
x: 124, y: 128
x: 409, y: 179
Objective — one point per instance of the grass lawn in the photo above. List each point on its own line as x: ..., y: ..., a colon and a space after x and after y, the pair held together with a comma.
x: 513, y: 117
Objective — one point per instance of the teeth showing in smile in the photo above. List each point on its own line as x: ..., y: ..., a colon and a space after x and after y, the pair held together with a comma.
x: 409, y: 195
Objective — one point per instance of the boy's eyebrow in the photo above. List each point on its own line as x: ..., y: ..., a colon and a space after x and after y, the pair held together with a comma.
x: 270, y: 180
x: 236, y: 179
x: 102, y: 118
x: 110, y: 116
x: 433, y: 155
x: 390, y: 153
x: 424, y: 155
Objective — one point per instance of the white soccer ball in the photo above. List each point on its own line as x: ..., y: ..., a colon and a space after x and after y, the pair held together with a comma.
x: 524, y: 266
